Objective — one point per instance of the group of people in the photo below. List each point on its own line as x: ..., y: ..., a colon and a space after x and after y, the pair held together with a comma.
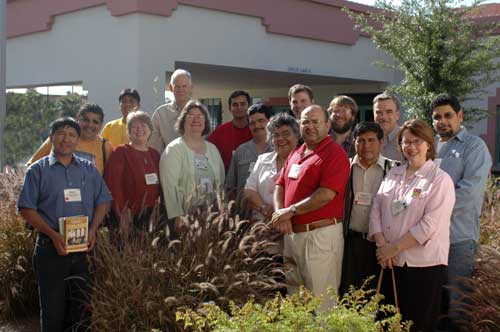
x: 349, y: 200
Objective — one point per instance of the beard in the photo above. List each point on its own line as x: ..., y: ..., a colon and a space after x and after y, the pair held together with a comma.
x: 446, y: 133
x: 342, y: 129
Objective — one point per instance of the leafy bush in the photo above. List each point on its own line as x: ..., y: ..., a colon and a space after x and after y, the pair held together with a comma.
x: 490, y: 216
x: 357, y: 311
x: 143, y: 280
x: 18, y: 291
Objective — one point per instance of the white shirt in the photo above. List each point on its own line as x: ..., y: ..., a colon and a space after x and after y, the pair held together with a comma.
x: 263, y: 177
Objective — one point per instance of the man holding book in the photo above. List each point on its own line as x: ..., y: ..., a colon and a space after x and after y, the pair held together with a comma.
x: 61, y: 192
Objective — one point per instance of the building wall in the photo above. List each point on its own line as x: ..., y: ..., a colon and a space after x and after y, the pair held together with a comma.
x: 107, y: 53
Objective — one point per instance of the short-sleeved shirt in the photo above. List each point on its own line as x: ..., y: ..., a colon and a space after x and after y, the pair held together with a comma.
x: 116, y: 132
x: 390, y: 148
x: 227, y: 138
x: 263, y: 177
x: 327, y: 166
x: 46, y: 181
x: 164, y: 119
x: 242, y: 164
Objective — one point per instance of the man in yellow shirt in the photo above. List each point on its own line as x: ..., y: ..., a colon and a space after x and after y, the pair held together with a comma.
x: 91, y: 146
x: 116, y: 131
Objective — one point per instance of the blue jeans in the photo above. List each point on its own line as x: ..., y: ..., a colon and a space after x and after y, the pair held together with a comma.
x: 461, y: 265
x: 63, y: 286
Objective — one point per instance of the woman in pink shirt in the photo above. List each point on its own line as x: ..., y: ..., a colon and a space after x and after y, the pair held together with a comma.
x: 410, y: 223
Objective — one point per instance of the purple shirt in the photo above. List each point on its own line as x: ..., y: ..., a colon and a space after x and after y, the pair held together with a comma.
x: 429, y: 195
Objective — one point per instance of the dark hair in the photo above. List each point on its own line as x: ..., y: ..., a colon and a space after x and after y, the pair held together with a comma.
x: 345, y: 101
x: 181, y: 120
x: 279, y: 120
x: 130, y: 92
x: 64, y: 122
x: 260, y: 108
x: 300, y: 88
x: 237, y: 94
x: 91, y: 108
x: 444, y: 99
x: 368, y: 127
x: 422, y: 130
x: 386, y: 95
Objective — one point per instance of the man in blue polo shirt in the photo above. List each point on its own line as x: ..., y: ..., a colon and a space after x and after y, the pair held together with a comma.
x: 62, y: 185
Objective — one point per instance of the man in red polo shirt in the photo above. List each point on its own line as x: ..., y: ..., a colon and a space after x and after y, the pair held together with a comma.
x: 309, y: 200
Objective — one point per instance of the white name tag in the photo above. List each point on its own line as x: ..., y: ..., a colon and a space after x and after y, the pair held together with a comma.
x: 151, y: 178
x: 201, y: 164
x: 250, y: 168
x: 294, y: 171
x: 361, y: 198
x: 206, y: 185
x: 397, y: 206
x: 72, y: 195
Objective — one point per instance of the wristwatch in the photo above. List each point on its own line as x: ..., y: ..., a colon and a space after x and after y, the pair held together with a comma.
x: 293, y: 209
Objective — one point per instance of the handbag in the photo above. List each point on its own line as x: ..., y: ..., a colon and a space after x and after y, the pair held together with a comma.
x: 379, y: 285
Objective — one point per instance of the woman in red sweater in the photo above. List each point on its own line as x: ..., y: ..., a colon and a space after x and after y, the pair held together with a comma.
x: 132, y: 173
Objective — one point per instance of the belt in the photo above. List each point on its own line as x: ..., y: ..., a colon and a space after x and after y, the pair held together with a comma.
x: 301, y: 228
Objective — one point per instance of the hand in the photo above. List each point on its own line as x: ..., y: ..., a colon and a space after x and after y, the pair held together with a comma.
x: 284, y: 227
x: 281, y: 215
x: 387, y: 263
x: 92, y: 236
x: 58, y: 241
x: 266, y: 210
x: 387, y: 251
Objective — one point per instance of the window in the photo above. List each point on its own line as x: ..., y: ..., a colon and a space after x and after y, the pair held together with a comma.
x: 214, y: 107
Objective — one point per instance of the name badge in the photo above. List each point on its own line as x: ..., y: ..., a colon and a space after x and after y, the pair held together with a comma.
x: 72, y: 195
x: 201, y: 164
x: 250, y: 168
x: 151, y: 178
x: 206, y: 185
x: 361, y: 198
x: 397, y: 206
x: 294, y: 171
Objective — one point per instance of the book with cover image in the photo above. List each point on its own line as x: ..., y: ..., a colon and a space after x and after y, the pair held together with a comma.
x: 75, y: 231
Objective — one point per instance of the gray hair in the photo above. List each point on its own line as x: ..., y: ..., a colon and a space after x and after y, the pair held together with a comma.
x: 139, y: 116
x: 279, y: 120
x: 180, y: 72
x: 386, y: 95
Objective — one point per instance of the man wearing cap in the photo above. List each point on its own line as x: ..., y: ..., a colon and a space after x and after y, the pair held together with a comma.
x: 309, y: 205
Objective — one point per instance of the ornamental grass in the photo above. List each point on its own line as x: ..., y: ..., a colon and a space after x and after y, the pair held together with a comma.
x: 18, y: 290
x: 142, y: 277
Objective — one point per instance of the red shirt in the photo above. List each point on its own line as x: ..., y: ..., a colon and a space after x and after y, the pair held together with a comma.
x: 227, y: 138
x: 327, y: 166
x: 125, y: 175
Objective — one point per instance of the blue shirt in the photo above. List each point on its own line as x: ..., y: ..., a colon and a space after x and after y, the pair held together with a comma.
x: 467, y: 160
x: 46, y: 180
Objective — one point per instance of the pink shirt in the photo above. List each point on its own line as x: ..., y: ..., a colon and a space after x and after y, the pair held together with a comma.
x: 430, y: 197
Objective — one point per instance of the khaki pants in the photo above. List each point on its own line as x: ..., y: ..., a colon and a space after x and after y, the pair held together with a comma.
x: 314, y: 259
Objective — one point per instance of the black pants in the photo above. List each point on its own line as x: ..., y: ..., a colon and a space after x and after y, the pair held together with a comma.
x: 419, y: 294
x: 359, y: 263
x: 64, y: 287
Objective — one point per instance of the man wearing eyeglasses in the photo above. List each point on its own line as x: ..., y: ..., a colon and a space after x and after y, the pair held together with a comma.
x: 246, y: 154
x: 91, y: 145
x: 465, y: 157
x: 343, y: 110
x: 309, y: 200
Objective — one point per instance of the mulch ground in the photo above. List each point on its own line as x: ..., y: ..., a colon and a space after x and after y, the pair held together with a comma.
x: 25, y: 325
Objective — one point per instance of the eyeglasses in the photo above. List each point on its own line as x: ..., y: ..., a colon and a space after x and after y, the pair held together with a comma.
x: 260, y: 121
x: 314, y: 123
x: 283, y: 135
x: 195, y: 116
x: 415, y: 143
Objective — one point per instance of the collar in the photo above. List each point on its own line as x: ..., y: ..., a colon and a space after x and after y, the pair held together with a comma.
x: 422, y: 172
x: 380, y: 162
x: 53, y: 160
x: 392, y: 134
x: 269, y: 157
x: 326, y: 141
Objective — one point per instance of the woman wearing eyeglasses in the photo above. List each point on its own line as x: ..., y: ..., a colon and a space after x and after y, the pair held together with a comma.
x: 191, y: 169
x: 410, y: 223
x: 283, y: 133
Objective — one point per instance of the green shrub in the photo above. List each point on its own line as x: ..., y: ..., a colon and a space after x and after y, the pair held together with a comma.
x: 142, y: 281
x: 18, y: 291
x: 356, y: 311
